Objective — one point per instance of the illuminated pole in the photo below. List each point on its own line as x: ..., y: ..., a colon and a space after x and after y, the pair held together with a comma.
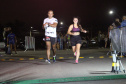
x: 30, y: 31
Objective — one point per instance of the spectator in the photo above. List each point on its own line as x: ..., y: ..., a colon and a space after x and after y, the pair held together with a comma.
x: 65, y: 41
x: 109, y: 28
x: 5, y: 34
x: 11, y: 40
x: 58, y: 41
x: 106, y: 41
x: 123, y: 24
x: 117, y: 23
x: 102, y: 40
x: 61, y: 42
x: 68, y: 41
x: 109, y: 35
x: 99, y: 39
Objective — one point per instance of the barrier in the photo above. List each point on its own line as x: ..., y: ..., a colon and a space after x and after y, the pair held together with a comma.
x: 118, y: 39
x: 29, y: 43
x: 118, y: 42
x: 2, y: 45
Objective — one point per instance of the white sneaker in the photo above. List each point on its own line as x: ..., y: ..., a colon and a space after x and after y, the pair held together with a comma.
x: 48, y: 61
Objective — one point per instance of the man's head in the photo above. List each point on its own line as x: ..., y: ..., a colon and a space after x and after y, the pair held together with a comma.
x: 117, y: 19
x: 99, y: 32
x: 8, y: 28
x: 50, y: 14
x: 124, y: 17
x: 111, y: 27
x: 5, y: 29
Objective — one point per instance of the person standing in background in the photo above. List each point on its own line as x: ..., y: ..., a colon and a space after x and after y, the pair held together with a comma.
x: 5, y: 34
x: 65, y: 41
x: 61, y: 42
x: 123, y: 24
x: 117, y: 23
x: 11, y: 41
x: 99, y: 39
x: 106, y: 41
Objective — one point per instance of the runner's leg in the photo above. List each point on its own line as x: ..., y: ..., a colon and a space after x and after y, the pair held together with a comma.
x: 48, y: 45
x: 11, y: 48
x: 54, y: 49
x: 74, y: 48
x: 15, y: 48
x: 78, y: 51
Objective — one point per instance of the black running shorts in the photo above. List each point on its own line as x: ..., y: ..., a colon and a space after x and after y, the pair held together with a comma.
x: 75, y: 40
x: 53, y: 40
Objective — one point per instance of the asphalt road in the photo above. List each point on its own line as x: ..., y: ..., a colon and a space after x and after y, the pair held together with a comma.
x: 31, y: 65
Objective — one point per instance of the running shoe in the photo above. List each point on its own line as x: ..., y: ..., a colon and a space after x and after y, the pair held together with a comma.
x: 76, y: 61
x: 54, y: 58
x: 48, y: 61
x: 75, y: 53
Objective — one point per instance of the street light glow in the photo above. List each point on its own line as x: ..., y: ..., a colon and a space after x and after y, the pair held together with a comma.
x: 61, y: 23
x: 31, y: 27
x: 111, y: 12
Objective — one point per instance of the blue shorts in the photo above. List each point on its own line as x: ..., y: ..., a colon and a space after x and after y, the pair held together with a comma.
x: 11, y: 42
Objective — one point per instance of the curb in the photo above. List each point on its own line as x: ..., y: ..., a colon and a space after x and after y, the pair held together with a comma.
x: 71, y: 79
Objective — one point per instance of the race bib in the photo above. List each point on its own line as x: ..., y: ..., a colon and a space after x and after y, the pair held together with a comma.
x: 47, y: 38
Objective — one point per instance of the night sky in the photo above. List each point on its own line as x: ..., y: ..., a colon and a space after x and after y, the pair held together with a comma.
x: 93, y: 13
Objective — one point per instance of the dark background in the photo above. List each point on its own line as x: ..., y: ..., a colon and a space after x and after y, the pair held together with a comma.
x: 22, y: 14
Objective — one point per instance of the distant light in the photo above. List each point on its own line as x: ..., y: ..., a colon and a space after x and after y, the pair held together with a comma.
x: 34, y: 30
x: 111, y: 12
x: 31, y: 27
x: 61, y: 23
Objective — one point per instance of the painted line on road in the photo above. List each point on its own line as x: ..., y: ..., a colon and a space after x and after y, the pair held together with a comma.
x: 2, y: 59
x: 51, y: 57
x: 91, y: 57
x: 40, y: 58
x: 11, y: 59
x: 122, y: 56
x: 81, y: 57
x: 31, y: 59
x: 21, y: 59
x: 101, y: 57
x: 110, y: 56
x: 70, y: 79
x: 61, y: 57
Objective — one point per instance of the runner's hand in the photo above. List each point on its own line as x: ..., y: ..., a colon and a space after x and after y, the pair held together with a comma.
x: 49, y: 24
x: 84, y: 31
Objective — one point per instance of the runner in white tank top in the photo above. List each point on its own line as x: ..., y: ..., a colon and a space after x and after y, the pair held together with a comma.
x: 50, y: 26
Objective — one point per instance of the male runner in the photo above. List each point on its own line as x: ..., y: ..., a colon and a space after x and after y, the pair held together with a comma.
x: 50, y: 25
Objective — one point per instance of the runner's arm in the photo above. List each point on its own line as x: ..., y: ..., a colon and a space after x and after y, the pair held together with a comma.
x: 82, y: 30
x: 44, y: 25
x: 53, y: 25
x: 69, y: 30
